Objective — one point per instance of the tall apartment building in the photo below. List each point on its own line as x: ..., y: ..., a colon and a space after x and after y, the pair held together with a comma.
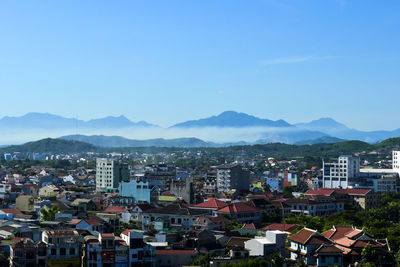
x: 232, y: 176
x: 337, y: 174
x: 109, y: 173
x: 396, y: 161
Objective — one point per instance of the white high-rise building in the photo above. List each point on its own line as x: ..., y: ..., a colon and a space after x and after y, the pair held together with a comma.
x: 396, y: 161
x: 109, y: 173
x: 337, y: 174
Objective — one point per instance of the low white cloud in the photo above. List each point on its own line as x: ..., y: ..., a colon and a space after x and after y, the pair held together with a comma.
x: 209, y: 134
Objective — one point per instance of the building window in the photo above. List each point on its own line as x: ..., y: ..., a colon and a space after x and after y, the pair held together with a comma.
x: 71, y: 251
x: 53, y: 251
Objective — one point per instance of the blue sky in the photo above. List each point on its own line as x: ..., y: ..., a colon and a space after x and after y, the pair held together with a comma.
x: 170, y: 61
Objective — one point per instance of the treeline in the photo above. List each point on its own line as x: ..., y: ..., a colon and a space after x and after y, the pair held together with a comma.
x: 278, y: 150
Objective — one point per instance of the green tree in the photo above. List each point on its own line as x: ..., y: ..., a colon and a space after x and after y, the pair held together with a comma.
x: 368, y: 254
x: 287, y: 192
x: 203, y: 261
x: 49, y: 215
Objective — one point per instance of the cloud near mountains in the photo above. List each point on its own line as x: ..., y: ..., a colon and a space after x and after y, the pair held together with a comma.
x: 227, y: 127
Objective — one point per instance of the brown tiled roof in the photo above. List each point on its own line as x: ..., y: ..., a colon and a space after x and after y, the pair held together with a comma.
x: 302, y: 236
x: 329, y: 249
x: 338, y: 232
x: 107, y: 235
x: 235, y: 241
x: 281, y: 227
x: 328, y: 233
x: 237, y: 208
x: 115, y: 209
x: 318, y: 239
x: 12, y: 211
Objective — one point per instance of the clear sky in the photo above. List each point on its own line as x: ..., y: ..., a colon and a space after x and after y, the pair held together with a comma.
x: 169, y: 61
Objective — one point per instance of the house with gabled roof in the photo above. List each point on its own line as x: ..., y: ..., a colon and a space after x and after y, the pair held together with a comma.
x: 90, y: 224
x: 211, y: 223
x: 176, y: 216
x: 352, y: 242
x: 209, y: 205
x: 305, y: 243
x: 239, y: 211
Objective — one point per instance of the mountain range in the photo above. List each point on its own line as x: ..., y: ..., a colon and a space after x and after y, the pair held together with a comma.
x: 232, y: 119
x: 323, y: 130
x: 50, y: 121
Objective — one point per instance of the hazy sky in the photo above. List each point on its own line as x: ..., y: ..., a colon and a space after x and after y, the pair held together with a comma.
x: 169, y: 61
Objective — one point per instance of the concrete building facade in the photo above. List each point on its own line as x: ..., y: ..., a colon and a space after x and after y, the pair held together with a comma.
x: 109, y: 173
x: 337, y: 174
x: 232, y: 176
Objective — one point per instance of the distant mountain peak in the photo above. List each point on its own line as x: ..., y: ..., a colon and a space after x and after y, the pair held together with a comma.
x: 322, y: 122
x: 232, y: 119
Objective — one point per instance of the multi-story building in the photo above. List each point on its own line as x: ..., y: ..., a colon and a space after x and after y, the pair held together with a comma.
x: 63, y: 247
x: 396, y: 161
x: 337, y: 174
x: 363, y: 198
x: 232, y: 176
x: 22, y: 253
x: 315, y: 205
x: 139, y: 252
x: 137, y: 190
x: 175, y: 216
x: 109, y: 173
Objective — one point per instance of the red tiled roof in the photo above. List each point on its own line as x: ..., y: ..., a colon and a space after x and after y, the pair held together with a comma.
x: 175, y: 252
x: 280, y: 200
x: 250, y: 226
x: 237, y: 208
x: 353, y: 233
x: 75, y: 221
x: 211, y: 203
x: 329, y: 191
x: 338, y: 232
x: 322, y: 191
x: 282, y: 227
x: 12, y: 211
x: 115, y: 209
x: 120, y: 242
x: 345, y: 250
x: 107, y: 235
x: 345, y: 242
x: 328, y: 233
x: 92, y: 221
x: 358, y: 191
x: 126, y: 232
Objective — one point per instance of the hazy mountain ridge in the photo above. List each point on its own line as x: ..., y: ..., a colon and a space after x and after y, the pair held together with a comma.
x: 339, y: 130
x: 118, y: 141
x: 233, y: 128
x: 51, y: 121
x: 232, y: 119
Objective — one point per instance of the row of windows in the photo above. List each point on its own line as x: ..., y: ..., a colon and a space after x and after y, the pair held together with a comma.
x: 63, y: 252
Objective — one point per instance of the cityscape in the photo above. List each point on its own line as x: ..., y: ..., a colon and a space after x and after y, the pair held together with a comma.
x: 228, y: 133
